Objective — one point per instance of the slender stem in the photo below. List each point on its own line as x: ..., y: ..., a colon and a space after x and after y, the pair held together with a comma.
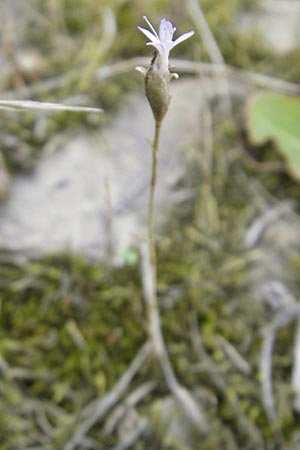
x: 149, y: 280
x: 152, y: 192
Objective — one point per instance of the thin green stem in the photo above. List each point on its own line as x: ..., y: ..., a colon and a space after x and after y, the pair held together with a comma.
x: 183, y: 396
x: 152, y: 192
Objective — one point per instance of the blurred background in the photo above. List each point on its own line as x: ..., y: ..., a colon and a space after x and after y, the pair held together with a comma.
x: 73, y: 206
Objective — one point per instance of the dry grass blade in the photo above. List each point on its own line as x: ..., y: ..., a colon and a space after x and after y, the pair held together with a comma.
x: 22, y: 105
x: 287, y: 315
x: 268, y: 82
x: 132, y: 437
x: 210, y: 43
x: 266, y: 375
x: 103, y: 405
x: 133, y: 398
x: 183, y: 66
x: 257, y: 228
x: 196, y: 13
x: 109, y: 30
x: 235, y: 357
x: 296, y: 369
x: 244, y: 425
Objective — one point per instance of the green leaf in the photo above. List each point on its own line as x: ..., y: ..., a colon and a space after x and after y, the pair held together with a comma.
x: 277, y: 118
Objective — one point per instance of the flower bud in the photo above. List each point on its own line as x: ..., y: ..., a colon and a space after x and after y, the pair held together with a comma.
x: 157, y: 83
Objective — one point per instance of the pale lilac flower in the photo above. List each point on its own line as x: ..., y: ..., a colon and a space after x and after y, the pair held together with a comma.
x: 163, y: 41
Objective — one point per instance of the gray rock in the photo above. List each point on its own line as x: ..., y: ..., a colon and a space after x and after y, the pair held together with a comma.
x: 277, y: 20
x: 91, y: 192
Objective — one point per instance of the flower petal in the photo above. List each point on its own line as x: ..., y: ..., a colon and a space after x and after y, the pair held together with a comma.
x: 183, y: 37
x: 149, y: 35
x: 166, y: 30
x: 150, y: 25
